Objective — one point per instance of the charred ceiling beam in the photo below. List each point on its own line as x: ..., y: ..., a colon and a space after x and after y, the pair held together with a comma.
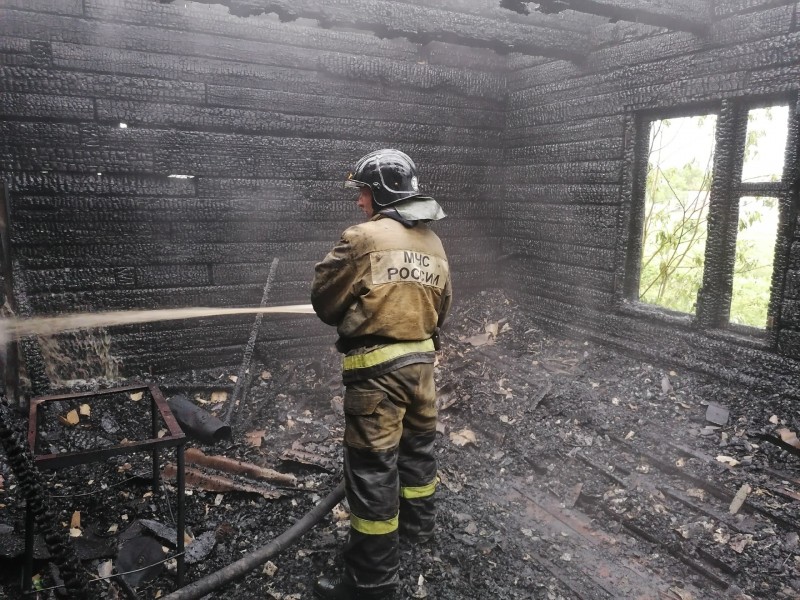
x: 491, y: 9
x: 665, y: 15
x: 421, y: 24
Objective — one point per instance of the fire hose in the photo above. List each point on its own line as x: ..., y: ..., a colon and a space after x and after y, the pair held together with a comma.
x: 258, y: 557
x: 61, y: 551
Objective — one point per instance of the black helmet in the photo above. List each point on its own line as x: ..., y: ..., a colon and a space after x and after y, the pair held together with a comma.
x: 389, y: 173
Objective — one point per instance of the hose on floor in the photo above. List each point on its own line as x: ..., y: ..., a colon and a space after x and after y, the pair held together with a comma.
x: 258, y: 557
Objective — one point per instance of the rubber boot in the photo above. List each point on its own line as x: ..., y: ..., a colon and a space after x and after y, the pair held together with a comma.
x: 337, y: 588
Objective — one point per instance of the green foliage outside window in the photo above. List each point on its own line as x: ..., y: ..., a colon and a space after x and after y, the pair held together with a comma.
x: 676, y: 215
x: 755, y: 251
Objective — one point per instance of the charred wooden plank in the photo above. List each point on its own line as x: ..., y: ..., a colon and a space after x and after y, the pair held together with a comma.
x: 598, y: 149
x: 37, y: 106
x: 422, y: 24
x: 26, y: 133
x: 791, y: 313
x: 90, y: 183
x: 58, y: 280
x: 722, y: 9
x: 197, y: 356
x: 577, y: 232
x: 738, y: 29
x: 59, y: 7
x: 673, y: 15
x: 613, y: 33
x: 216, y: 21
x: 536, y: 215
x: 419, y: 108
x: 221, y: 72
x: 575, y: 130
x: 143, y: 253
x: 705, y: 89
x: 789, y: 342
x: 243, y: 295
x: 556, y: 193
x: 536, y: 271
x: 576, y: 294
x: 17, y: 47
x: 376, y: 126
x: 607, y: 171
x: 584, y: 256
x: 221, y: 155
x: 493, y: 10
x: 30, y: 210
x: 281, y: 49
x: 328, y: 191
x: 52, y: 82
x: 792, y: 289
x: 628, y: 64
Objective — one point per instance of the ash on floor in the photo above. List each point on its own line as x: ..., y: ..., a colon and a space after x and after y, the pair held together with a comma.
x: 568, y: 470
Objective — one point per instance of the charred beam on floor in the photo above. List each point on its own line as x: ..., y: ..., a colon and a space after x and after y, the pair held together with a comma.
x: 420, y: 25
x: 719, y: 493
x: 617, y: 11
x: 779, y: 443
x: 679, y: 496
x: 673, y: 549
x: 604, y: 472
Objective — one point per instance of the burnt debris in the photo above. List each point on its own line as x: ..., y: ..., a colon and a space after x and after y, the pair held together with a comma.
x: 175, y: 155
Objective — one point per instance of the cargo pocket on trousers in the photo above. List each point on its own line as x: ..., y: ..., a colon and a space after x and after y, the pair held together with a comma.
x: 371, y: 420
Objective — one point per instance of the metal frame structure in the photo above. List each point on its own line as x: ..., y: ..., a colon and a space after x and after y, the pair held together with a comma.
x: 174, y: 438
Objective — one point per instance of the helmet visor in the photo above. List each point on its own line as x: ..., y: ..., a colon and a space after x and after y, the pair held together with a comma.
x: 354, y: 185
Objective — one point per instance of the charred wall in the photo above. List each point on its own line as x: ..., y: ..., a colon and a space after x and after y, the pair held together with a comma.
x: 266, y: 117
x: 571, y: 131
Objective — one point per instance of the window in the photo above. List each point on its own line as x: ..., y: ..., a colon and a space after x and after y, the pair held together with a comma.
x: 709, y: 199
x: 679, y: 167
x: 756, y: 236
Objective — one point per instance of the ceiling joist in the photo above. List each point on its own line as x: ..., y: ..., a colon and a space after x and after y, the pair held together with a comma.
x: 422, y: 24
x: 671, y: 16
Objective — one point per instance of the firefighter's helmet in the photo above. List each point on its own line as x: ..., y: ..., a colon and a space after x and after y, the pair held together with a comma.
x: 391, y: 175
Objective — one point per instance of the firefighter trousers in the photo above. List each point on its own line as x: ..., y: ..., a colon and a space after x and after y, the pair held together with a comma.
x: 389, y: 469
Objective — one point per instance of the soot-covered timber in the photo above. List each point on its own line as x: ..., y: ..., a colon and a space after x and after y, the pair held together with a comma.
x: 105, y: 102
x: 745, y: 58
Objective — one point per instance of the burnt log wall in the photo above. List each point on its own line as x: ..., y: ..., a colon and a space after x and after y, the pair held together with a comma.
x: 266, y: 116
x: 570, y: 134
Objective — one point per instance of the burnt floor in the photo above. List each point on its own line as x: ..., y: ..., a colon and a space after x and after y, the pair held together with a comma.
x: 568, y: 471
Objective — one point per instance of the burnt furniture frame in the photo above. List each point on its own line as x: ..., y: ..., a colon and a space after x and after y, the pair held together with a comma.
x: 174, y: 438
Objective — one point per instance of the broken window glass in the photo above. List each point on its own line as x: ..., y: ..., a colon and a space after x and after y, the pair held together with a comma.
x: 755, y: 254
x: 680, y: 166
x: 767, y: 129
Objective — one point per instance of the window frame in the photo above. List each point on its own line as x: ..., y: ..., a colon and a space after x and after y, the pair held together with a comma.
x: 712, y: 310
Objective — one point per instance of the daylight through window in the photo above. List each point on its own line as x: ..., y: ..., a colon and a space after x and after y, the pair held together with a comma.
x: 755, y: 253
x: 680, y: 164
x: 706, y: 219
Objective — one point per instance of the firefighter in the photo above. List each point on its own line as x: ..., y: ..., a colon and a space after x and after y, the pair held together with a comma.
x: 386, y: 287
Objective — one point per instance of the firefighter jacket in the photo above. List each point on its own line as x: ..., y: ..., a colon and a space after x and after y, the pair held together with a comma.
x: 383, y: 284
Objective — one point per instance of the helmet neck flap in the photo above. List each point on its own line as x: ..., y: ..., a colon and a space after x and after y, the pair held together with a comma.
x: 391, y: 176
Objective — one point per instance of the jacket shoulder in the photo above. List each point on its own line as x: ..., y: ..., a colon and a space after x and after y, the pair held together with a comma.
x: 364, y: 236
